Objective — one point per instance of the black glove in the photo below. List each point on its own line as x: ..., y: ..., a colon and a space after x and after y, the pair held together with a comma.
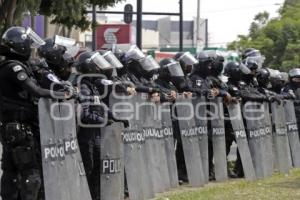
x: 275, y: 99
x: 125, y: 122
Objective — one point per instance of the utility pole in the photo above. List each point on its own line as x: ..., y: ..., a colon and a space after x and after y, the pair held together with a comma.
x: 94, y: 22
x: 180, y: 25
x: 198, y: 24
x: 139, y: 9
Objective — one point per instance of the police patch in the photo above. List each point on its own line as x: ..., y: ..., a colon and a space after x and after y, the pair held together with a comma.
x: 53, y: 78
x: 17, y: 68
x: 22, y: 76
x: 198, y: 82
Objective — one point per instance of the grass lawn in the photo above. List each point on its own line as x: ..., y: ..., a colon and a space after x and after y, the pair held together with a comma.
x: 279, y: 187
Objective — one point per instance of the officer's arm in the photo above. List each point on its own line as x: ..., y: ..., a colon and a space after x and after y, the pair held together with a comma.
x: 21, y: 78
x: 37, y: 91
x: 288, y: 94
x: 247, y: 95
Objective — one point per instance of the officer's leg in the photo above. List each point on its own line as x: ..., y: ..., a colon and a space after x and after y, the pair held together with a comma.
x: 95, y: 176
x: 181, y: 167
x: 9, y: 180
x: 30, y: 184
x: 9, y: 185
x: 86, y: 146
x: 238, y: 169
x: 210, y: 152
x: 27, y: 160
x: 229, y: 136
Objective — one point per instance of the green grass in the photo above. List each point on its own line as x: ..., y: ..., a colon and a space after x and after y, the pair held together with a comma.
x: 278, y: 187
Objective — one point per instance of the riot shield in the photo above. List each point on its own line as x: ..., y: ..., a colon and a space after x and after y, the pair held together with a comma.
x: 292, y: 131
x: 112, y: 162
x: 133, y: 140
x: 269, y: 158
x: 189, y: 138
x: 167, y: 129
x: 64, y: 175
x: 236, y: 119
x: 161, y: 155
x: 145, y: 123
x: 155, y: 151
x: 281, y: 141
x: 200, y: 105
x: 218, y: 139
x: 253, y: 113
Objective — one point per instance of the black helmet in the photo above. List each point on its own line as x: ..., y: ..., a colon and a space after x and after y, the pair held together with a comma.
x: 232, y: 70
x: 294, y: 73
x: 186, y: 60
x: 294, y: 76
x: 218, y: 65
x: 263, y: 77
x: 139, y: 64
x: 170, y: 68
x: 91, y: 62
x: 277, y: 79
x: 19, y: 41
x: 52, y: 53
x: 204, y: 57
x: 253, y: 55
x: 205, y: 63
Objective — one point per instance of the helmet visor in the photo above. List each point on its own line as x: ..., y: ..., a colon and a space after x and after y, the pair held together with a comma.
x: 35, y: 38
x: 135, y: 53
x: 63, y: 41
x: 188, y: 59
x: 294, y: 73
x: 148, y: 63
x: 258, y: 59
x: 112, y: 59
x: 175, y: 69
x: 244, y: 69
x: 100, y: 61
x: 69, y: 43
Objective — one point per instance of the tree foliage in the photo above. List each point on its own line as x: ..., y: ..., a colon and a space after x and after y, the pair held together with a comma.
x: 277, y: 38
x: 69, y: 13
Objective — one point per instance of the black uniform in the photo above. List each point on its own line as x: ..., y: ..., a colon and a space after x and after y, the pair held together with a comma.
x: 21, y: 159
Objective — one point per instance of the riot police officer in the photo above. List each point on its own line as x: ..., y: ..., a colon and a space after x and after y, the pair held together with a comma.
x: 264, y: 85
x: 21, y: 160
x: 94, y: 114
x: 142, y: 71
x: 293, y: 87
x: 278, y: 82
x: 57, y: 56
x: 171, y: 80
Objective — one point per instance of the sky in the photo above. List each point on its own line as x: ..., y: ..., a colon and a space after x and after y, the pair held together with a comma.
x: 226, y: 18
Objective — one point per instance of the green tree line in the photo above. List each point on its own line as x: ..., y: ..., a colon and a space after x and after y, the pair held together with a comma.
x: 278, y: 38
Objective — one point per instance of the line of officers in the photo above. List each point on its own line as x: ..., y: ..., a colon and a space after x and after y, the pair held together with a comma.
x: 55, y: 73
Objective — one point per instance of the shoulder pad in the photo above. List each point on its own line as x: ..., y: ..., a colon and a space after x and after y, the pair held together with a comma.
x: 17, y: 68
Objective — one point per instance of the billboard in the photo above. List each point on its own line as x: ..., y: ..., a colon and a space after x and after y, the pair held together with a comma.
x: 109, y: 34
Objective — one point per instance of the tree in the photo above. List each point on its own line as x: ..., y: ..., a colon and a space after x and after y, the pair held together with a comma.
x: 69, y: 13
x: 278, y: 38
x: 12, y: 11
x: 72, y: 13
